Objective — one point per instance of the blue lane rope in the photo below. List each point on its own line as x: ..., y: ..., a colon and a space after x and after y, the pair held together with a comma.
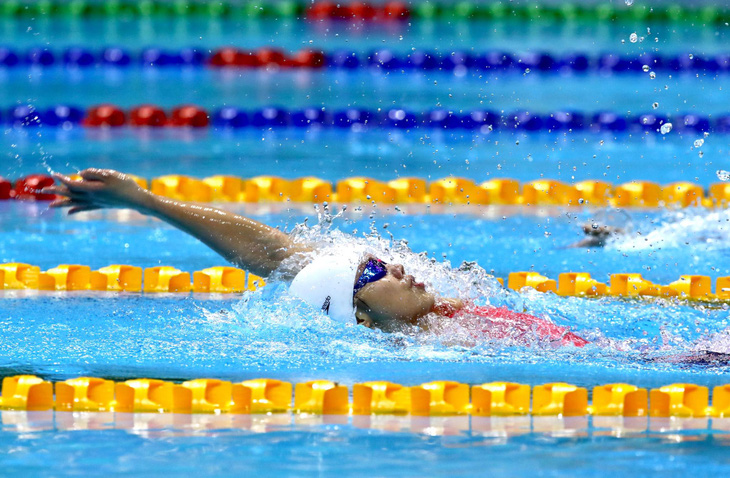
x: 354, y: 118
x: 384, y: 59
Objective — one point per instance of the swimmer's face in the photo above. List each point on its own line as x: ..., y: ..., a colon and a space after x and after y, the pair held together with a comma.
x: 393, y: 301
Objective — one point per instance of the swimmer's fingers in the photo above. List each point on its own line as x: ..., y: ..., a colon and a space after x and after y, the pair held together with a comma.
x: 83, y: 185
x: 75, y: 205
x: 83, y: 208
x: 60, y: 202
x: 58, y: 190
x: 66, y: 192
x: 68, y: 202
x: 94, y: 174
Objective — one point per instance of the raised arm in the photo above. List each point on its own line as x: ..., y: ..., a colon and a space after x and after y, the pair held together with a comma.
x: 249, y: 244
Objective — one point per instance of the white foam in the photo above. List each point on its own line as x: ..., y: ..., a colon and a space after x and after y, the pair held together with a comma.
x: 688, y: 227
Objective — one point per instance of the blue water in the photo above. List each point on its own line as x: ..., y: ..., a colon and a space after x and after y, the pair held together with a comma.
x: 184, y: 337
x: 380, y: 154
x: 182, y: 445
x: 591, y: 37
x: 120, y: 336
x: 333, y: 89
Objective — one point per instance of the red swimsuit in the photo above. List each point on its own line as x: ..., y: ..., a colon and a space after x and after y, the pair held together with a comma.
x: 500, y: 323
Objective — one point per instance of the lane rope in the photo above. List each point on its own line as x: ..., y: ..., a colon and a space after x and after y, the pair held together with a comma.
x: 358, y: 119
x: 227, y: 280
x: 385, y: 60
x: 364, y: 11
x: 324, y: 397
x: 408, y: 190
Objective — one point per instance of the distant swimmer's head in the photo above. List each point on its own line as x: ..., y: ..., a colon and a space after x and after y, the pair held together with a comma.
x: 365, y: 290
x: 387, y: 298
x: 593, y: 229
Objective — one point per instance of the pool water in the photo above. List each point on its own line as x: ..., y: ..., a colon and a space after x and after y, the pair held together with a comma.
x: 546, y: 447
x: 269, y: 334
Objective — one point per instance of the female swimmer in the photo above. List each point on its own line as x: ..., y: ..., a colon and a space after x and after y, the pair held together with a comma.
x: 349, y: 286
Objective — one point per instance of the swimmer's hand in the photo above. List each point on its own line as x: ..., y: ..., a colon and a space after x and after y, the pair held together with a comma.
x: 249, y: 244
x: 97, y: 189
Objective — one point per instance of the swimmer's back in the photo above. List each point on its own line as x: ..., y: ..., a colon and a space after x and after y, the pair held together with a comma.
x: 500, y: 323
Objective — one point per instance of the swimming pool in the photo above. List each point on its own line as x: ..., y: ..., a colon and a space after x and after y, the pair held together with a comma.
x: 58, y: 335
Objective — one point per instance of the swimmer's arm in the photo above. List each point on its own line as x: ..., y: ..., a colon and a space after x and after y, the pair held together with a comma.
x: 246, y: 243
x: 249, y: 244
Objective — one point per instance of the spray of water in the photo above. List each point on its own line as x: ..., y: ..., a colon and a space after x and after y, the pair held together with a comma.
x: 284, y: 325
x: 678, y: 229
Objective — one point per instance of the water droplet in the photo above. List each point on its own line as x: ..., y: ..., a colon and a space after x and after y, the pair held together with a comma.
x: 723, y: 175
x: 666, y: 128
x: 633, y: 38
x: 629, y: 2
x: 698, y: 144
x: 645, y: 68
x: 700, y: 154
x: 652, y: 75
x: 691, y: 56
x: 655, y: 105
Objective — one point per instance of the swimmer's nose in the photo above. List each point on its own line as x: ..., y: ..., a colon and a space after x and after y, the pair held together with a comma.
x: 397, y: 270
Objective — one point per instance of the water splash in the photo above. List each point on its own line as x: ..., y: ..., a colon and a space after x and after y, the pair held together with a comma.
x: 618, y: 330
x: 698, y: 227
x: 468, y: 280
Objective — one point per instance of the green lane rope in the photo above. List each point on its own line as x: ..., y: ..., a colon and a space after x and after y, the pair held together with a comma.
x: 429, y: 10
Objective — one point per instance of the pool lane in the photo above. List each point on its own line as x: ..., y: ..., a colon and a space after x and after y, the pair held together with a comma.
x: 381, y: 154
x: 636, y: 93
x: 454, y: 34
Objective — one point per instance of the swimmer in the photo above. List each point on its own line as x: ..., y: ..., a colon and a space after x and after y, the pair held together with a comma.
x: 597, y: 236
x: 349, y: 286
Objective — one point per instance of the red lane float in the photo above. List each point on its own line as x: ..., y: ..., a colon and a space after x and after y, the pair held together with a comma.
x: 247, y: 59
x: 224, y: 57
x: 5, y: 188
x: 322, y: 11
x: 29, y: 187
x: 266, y: 57
x: 271, y: 56
x: 309, y: 59
x: 396, y: 11
x: 361, y: 11
x: 327, y: 10
x: 147, y: 115
x: 104, y: 115
x: 189, y: 116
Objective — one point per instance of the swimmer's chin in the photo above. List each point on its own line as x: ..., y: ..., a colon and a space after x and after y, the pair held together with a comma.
x: 409, y: 328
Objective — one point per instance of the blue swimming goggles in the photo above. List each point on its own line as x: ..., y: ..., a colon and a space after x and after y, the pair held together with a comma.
x: 374, y: 271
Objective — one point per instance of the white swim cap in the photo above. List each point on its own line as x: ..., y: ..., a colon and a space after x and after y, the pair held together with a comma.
x: 327, y: 283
